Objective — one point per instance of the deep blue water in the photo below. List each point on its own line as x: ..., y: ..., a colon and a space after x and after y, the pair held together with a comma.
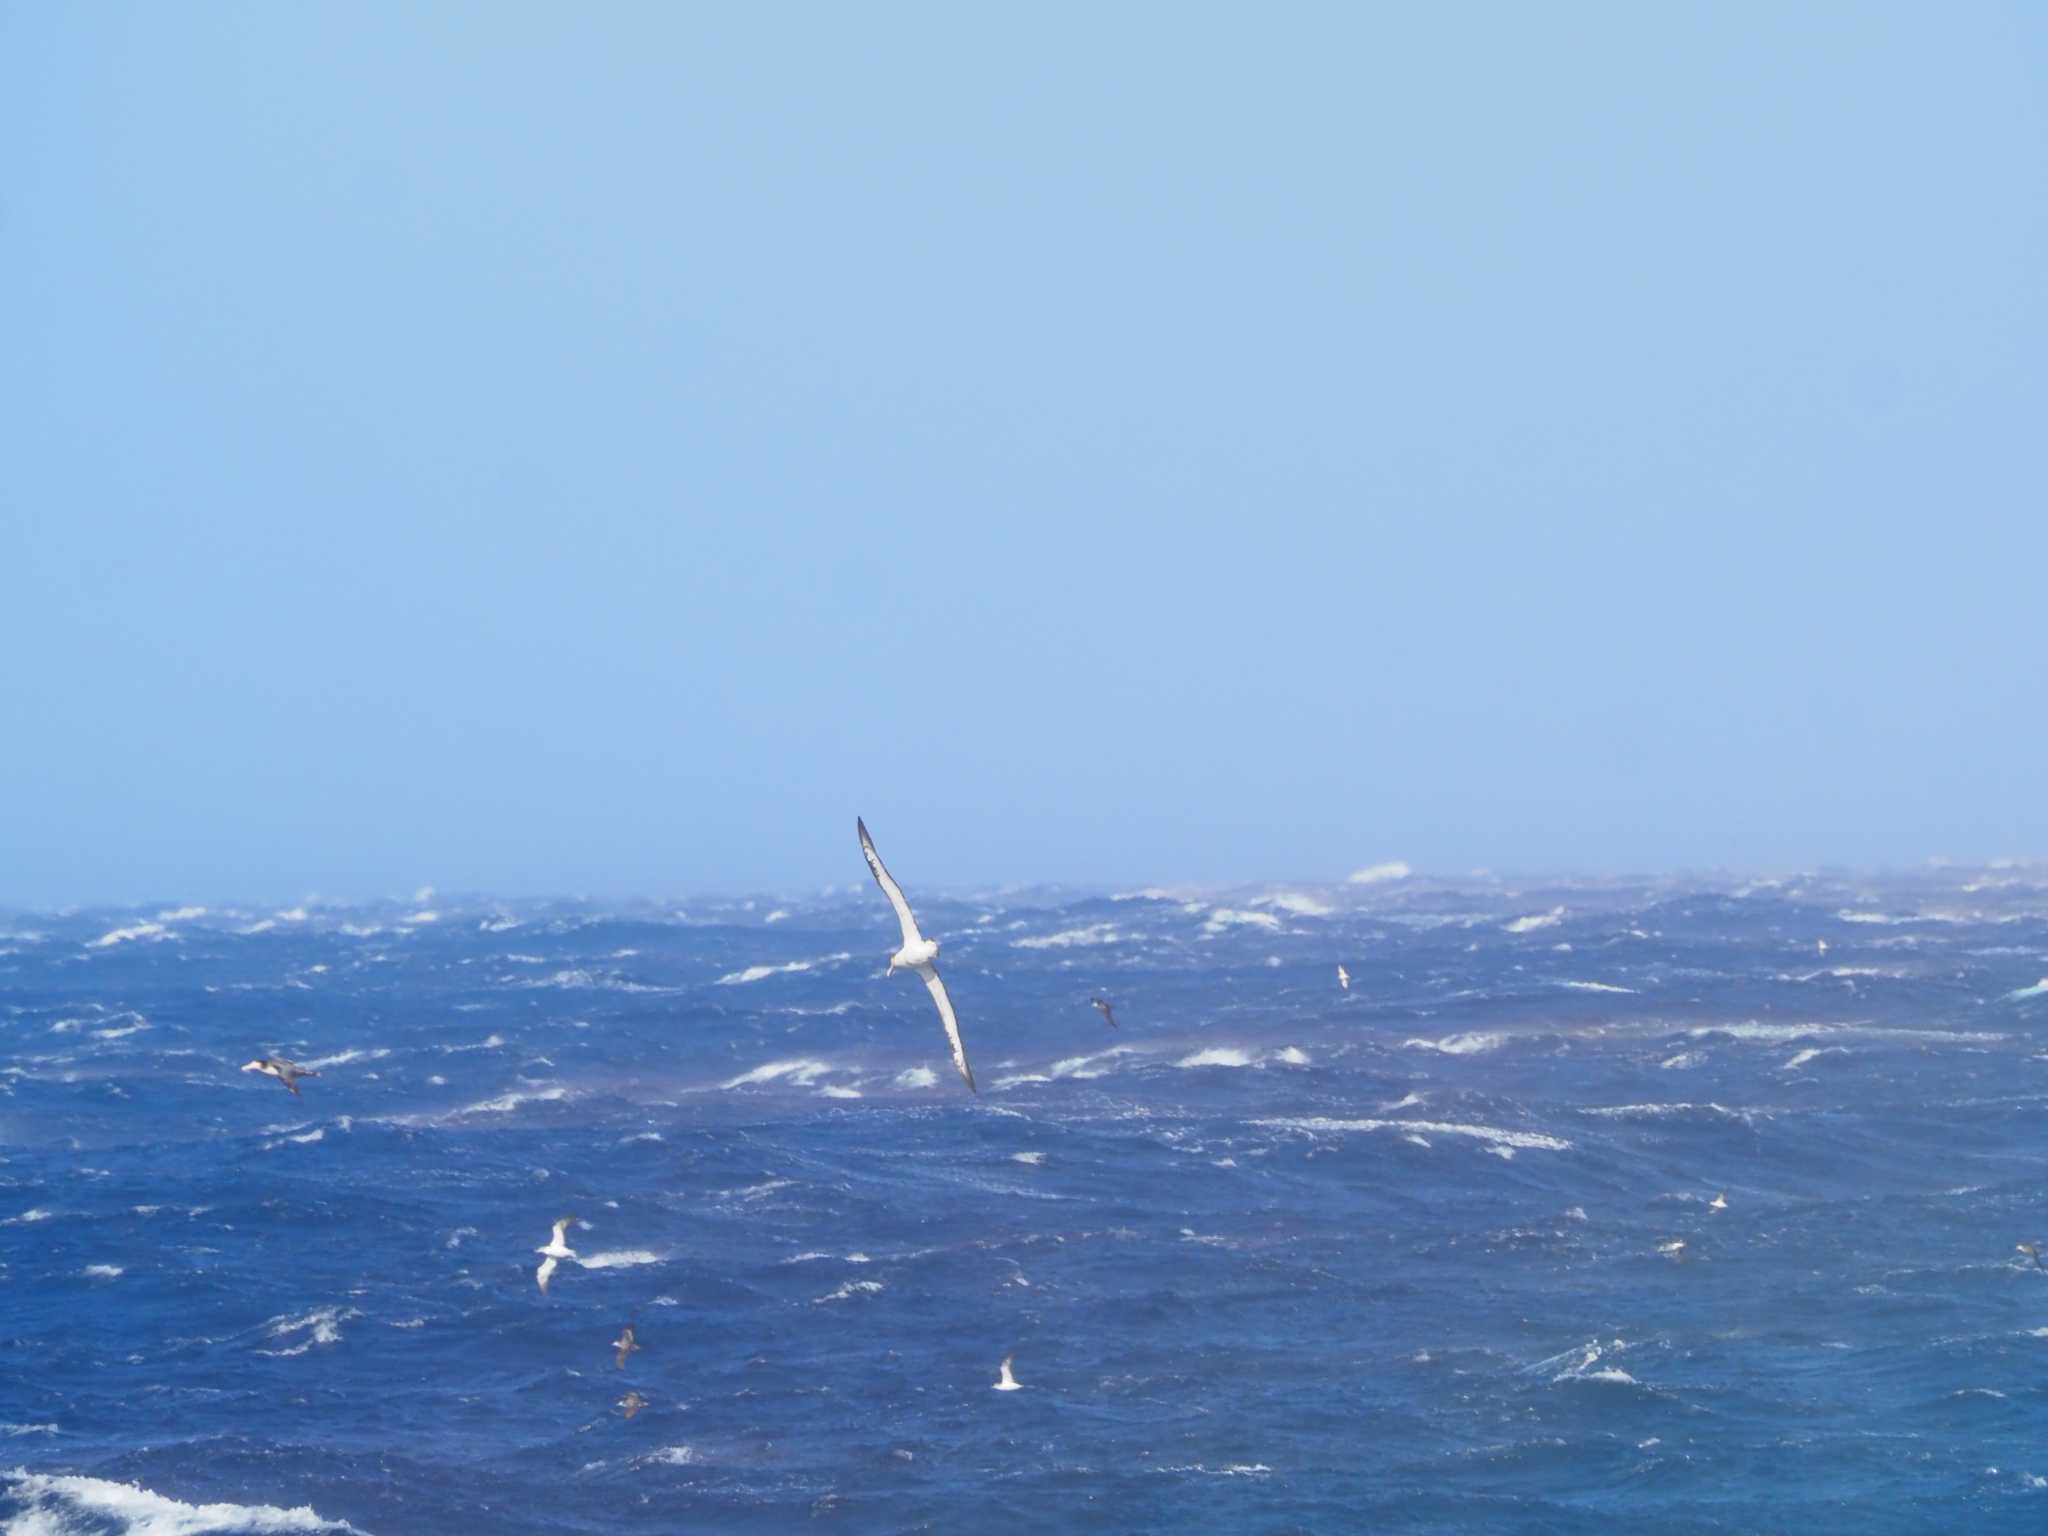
x: 1271, y: 1257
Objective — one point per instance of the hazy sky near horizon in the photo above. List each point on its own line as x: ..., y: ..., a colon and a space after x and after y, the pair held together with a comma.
x: 564, y: 447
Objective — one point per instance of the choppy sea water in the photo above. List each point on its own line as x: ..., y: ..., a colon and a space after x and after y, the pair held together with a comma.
x: 1434, y: 1254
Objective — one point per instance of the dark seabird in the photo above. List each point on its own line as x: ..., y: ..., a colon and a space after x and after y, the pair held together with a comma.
x: 556, y: 1250
x: 1108, y: 1013
x: 625, y: 1344
x: 631, y: 1404
x: 282, y: 1070
x: 2032, y: 1251
x: 917, y: 953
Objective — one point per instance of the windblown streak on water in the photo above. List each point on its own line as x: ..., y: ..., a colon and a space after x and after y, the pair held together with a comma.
x: 1435, y: 1254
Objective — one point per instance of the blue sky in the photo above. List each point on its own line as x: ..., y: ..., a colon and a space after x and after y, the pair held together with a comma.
x: 567, y: 448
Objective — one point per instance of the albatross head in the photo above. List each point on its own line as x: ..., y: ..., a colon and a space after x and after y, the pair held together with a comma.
x: 255, y: 1066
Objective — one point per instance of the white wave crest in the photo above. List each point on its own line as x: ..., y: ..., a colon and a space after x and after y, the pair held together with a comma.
x: 851, y: 1289
x: 1595, y: 986
x: 1535, y: 921
x: 1072, y: 938
x: 1780, y: 1034
x: 752, y: 1191
x: 1457, y: 1045
x: 104, y: 1271
x: 1296, y: 903
x: 113, y: 936
x: 1235, y: 1469
x: 506, y: 1102
x: 1380, y: 874
x: 1231, y: 917
x: 1812, y: 1051
x: 621, y: 1258
x: 917, y: 1077
x: 1084, y: 1067
x: 763, y: 972
x: 1487, y: 1133
x: 321, y: 1326
x: 343, y: 1058
x: 799, y: 1070
x: 1665, y: 1111
x: 1293, y: 1056
x: 1217, y: 1056
x: 55, y: 1504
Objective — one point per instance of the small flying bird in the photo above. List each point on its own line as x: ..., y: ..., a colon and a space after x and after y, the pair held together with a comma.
x: 1719, y: 1202
x: 556, y: 1250
x: 625, y: 1344
x: 282, y: 1070
x: 1343, y: 978
x: 1006, y: 1382
x: 1108, y: 1013
x: 917, y: 953
x: 2032, y: 1251
x: 631, y: 1404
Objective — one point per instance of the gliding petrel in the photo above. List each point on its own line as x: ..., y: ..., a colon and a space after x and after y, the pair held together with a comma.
x: 282, y: 1070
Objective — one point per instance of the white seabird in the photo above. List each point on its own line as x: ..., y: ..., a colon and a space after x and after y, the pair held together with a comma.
x: 282, y: 1070
x: 1343, y: 978
x: 1006, y: 1382
x: 917, y: 953
x: 1719, y: 1202
x: 556, y: 1250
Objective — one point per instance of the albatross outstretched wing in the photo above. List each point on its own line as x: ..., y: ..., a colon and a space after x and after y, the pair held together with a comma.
x: 930, y: 973
x: 890, y: 888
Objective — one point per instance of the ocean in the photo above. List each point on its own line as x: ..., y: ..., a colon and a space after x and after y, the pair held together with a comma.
x: 1439, y: 1253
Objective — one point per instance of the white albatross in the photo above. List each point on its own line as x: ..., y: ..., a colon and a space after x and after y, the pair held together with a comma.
x: 917, y: 953
x: 1343, y: 978
x: 1006, y: 1382
x: 557, y: 1250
